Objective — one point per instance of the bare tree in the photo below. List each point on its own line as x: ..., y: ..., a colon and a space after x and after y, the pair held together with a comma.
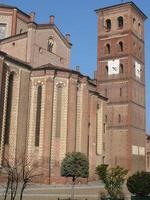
x: 27, y: 175
x: 11, y: 171
x: 19, y: 175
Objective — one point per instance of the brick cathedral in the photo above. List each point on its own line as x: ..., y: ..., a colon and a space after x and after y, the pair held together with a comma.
x: 48, y: 109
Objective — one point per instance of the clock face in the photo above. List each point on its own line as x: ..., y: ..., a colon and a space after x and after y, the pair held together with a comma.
x: 2, y: 31
x: 113, y: 66
x: 137, y: 69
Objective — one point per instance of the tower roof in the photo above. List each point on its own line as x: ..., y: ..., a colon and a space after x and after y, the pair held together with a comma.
x: 121, y: 5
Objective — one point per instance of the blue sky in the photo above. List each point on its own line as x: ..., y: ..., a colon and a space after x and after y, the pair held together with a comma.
x: 78, y: 18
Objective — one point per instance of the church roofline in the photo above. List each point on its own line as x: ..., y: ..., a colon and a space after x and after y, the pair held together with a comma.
x: 44, y: 26
x: 15, y: 60
x: 122, y: 4
x: 99, y: 95
x: 14, y: 37
x: 49, y: 66
x: 13, y: 7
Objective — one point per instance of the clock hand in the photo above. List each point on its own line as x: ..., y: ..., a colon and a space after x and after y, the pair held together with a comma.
x: 114, y: 68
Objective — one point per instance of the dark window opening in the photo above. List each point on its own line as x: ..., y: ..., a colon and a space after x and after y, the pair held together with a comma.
x: 107, y: 49
x: 121, y: 68
x: 119, y: 118
x: 9, y: 108
x: 104, y: 128
x: 108, y: 24
x: 120, y: 47
x: 106, y: 70
x: 106, y: 118
x: 38, y: 116
x: 139, y: 25
x: 120, y: 92
x: 120, y: 22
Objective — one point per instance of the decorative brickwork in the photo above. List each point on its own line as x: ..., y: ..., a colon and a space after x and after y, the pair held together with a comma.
x: 79, y: 117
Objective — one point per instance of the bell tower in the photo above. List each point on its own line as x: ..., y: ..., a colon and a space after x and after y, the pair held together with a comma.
x: 121, y: 78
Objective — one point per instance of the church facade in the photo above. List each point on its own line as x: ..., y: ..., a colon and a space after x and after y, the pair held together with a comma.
x: 48, y: 109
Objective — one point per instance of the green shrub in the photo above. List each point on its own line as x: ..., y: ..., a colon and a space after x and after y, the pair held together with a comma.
x: 113, y: 178
x: 139, y: 184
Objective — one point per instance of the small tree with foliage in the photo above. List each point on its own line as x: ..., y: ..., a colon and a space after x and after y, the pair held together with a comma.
x: 75, y: 165
x: 113, y: 178
x: 139, y: 184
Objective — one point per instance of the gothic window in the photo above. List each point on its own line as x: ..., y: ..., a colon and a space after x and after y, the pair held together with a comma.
x: 120, y: 46
x: 134, y: 21
x: 58, y: 110
x: 120, y: 22
x: 9, y: 108
x: 38, y: 116
x: 108, y: 24
x: 121, y: 68
x: 50, y: 44
x: 2, y: 31
x: 107, y: 49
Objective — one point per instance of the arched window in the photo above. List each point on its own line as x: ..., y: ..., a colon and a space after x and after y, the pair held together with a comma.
x: 120, y: 22
x: 106, y: 70
x: 139, y: 27
x: 108, y: 24
x: 9, y: 108
x: 120, y: 46
x: 38, y: 116
x: 58, y: 110
x: 134, y: 21
x: 50, y: 44
x: 121, y: 68
x: 107, y: 49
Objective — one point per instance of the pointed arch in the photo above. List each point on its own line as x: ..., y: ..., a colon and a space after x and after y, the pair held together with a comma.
x: 120, y: 22
x: 120, y: 46
x: 108, y: 24
x: 107, y: 48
